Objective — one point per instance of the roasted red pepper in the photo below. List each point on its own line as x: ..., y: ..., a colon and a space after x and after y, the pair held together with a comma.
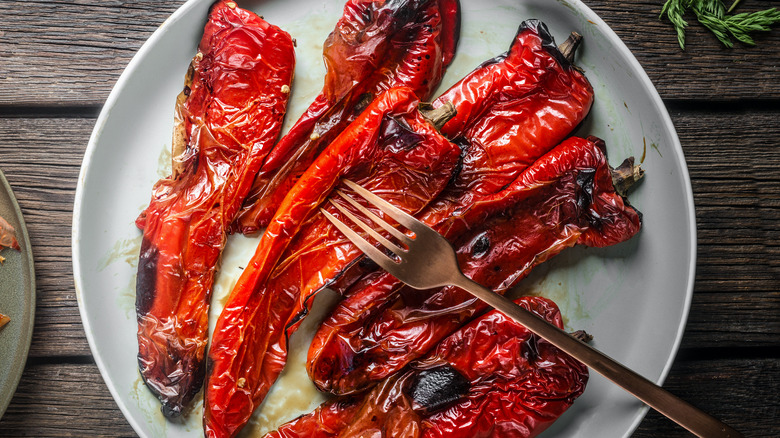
x: 565, y: 198
x: 393, y: 151
x: 511, y: 110
x: 491, y: 378
x: 227, y: 119
x: 376, y: 45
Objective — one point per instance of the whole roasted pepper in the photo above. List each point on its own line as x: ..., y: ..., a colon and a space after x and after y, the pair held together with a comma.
x: 565, y: 198
x: 392, y: 150
x: 228, y: 117
x: 376, y: 45
x: 491, y: 378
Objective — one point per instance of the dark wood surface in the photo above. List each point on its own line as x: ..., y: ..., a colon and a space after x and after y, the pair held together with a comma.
x: 60, y: 58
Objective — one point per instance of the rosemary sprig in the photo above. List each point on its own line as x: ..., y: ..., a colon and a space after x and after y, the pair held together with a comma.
x: 712, y: 14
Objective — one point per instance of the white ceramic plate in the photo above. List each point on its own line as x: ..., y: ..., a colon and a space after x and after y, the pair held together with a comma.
x: 633, y: 298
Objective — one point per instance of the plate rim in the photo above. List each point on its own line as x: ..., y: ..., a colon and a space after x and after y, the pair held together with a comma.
x: 28, y: 319
x: 577, y: 5
x: 628, y: 56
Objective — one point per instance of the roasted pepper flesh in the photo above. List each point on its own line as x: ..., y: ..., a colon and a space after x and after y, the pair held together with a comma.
x: 510, y: 111
x: 491, y: 378
x: 391, y: 149
x: 227, y: 119
x: 376, y: 45
x: 563, y: 199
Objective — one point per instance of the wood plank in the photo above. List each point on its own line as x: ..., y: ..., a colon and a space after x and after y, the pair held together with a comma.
x: 78, y: 403
x: 706, y: 69
x: 67, y: 52
x: 71, y: 52
x: 63, y: 400
x: 736, y: 301
x: 43, y: 173
x: 743, y: 394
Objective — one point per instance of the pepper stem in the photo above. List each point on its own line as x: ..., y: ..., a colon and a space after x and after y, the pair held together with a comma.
x: 438, y: 116
x: 569, y: 47
x: 626, y: 175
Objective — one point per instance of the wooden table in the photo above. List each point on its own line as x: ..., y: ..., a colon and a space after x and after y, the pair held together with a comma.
x: 60, y: 58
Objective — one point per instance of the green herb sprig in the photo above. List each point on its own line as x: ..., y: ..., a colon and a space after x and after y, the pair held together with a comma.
x: 714, y: 16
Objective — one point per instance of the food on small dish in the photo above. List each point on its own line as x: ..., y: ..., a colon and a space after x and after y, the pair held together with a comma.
x: 8, y: 236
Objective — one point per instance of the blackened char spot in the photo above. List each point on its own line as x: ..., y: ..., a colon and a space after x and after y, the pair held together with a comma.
x: 146, y: 283
x: 531, y: 348
x: 585, y: 180
x: 404, y: 10
x: 464, y: 146
x: 436, y: 388
x: 480, y: 246
x: 364, y: 100
x: 367, y: 264
x: 397, y: 135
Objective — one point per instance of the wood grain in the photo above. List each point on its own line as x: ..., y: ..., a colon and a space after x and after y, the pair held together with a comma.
x: 71, y: 52
x: 743, y: 394
x: 51, y: 399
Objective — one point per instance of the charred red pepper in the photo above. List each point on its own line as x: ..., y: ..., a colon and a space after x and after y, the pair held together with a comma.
x: 565, y: 198
x: 392, y: 150
x: 227, y: 118
x: 376, y: 45
x: 511, y: 110
x: 491, y: 378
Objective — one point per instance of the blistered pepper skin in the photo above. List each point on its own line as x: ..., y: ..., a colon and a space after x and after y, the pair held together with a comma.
x: 563, y: 199
x: 496, y: 379
x: 511, y: 111
x: 390, y: 149
x: 227, y: 119
x: 375, y: 46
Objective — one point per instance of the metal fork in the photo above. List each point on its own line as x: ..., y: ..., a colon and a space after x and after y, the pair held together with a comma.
x: 430, y: 262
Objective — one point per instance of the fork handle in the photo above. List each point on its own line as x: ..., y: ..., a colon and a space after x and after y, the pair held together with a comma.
x: 681, y: 412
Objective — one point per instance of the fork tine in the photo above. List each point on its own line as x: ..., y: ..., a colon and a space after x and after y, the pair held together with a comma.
x: 394, y: 212
x: 378, y: 220
x: 386, y: 243
x: 374, y: 254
